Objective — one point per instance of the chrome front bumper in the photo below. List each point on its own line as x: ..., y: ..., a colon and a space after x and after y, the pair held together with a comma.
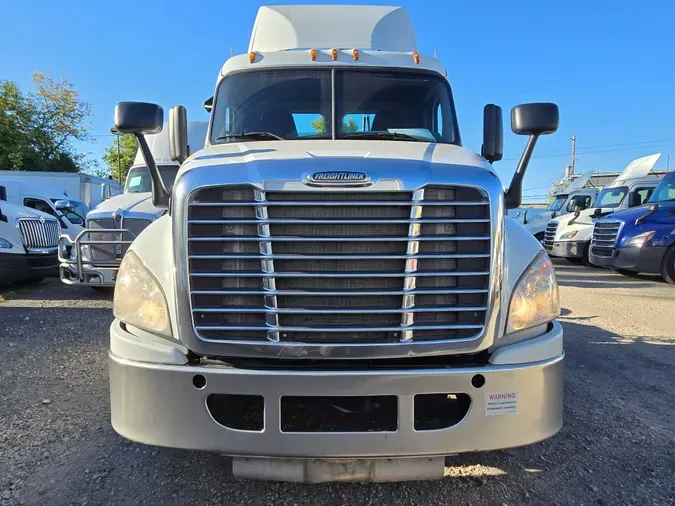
x: 76, y: 270
x: 158, y: 404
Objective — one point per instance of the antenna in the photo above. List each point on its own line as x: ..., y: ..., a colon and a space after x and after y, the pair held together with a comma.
x: 230, y: 50
x: 434, y: 51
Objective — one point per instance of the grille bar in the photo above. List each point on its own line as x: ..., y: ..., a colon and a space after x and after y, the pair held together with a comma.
x: 353, y: 266
x: 336, y: 221
x: 319, y: 274
x: 335, y: 203
x: 605, y: 235
x: 339, y: 329
x: 350, y: 292
x: 345, y: 239
x: 341, y: 310
x: 343, y: 257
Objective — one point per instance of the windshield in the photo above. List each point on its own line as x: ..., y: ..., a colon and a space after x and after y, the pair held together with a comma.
x: 579, y: 203
x: 292, y: 104
x: 664, y: 192
x: 557, y: 204
x: 138, y: 179
x: 611, y: 197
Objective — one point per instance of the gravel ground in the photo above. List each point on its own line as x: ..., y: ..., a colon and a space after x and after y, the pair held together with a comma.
x: 617, y: 445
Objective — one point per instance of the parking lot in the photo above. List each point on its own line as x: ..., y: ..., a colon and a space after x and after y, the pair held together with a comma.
x: 617, y: 445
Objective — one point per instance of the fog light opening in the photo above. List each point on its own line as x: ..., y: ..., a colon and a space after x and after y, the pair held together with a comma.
x: 478, y: 381
x: 199, y: 381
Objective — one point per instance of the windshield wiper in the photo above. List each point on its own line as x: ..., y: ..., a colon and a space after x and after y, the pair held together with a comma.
x: 381, y: 135
x: 254, y: 136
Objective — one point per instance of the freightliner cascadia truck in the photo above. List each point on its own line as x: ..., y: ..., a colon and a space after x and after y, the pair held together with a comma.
x: 334, y: 292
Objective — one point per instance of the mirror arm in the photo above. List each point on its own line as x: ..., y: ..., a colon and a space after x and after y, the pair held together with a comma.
x: 160, y: 196
x: 514, y: 195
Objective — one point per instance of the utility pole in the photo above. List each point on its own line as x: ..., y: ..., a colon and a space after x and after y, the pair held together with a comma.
x: 574, y: 153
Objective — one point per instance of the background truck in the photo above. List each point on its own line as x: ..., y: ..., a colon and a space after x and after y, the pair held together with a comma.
x: 28, y: 241
x: 575, y: 197
x: 569, y: 236
x: 641, y: 239
x: 85, y: 188
x: 115, y: 223
x: 338, y: 302
x: 48, y: 199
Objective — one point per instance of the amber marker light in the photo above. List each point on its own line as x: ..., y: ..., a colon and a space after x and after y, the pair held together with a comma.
x: 355, y: 53
x: 416, y: 57
x: 334, y: 52
x: 312, y: 54
x: 251, y: 57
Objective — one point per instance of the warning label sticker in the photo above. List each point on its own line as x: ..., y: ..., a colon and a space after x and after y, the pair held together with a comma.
x: 500, y: 403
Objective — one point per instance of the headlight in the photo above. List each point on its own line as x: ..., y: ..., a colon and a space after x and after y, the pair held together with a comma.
x: 639, y: 240
x: 535, y: 299
x: 5, y: 244
x: 139, y: 300
x: 569, y: 235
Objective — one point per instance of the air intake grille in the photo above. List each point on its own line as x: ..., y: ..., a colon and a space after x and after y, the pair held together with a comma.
x: 339, y: 267
x: 604, y: 238
x: 549, y: 234
x: 113, y: 251
x: 39, y: 235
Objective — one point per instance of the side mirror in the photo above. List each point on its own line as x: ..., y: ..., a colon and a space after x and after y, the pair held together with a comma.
x: 634, y: 199
x: 534, y: 120
x: 178, y: 141
x: 208, y: 104
x: 493, y: 133
x: 64, y: 204
x: 139, y: 119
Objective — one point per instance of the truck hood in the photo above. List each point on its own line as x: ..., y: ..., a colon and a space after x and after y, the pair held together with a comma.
x: 665, y: 214
x: 251, y: 152
x: 15, y: 211
x: 127, y: 204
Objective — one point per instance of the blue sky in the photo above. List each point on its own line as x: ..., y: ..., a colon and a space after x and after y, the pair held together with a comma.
x: 609, y: 65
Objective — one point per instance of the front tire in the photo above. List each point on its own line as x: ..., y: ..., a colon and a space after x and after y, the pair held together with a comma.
x: 668, y: 265
x: 625, y: 272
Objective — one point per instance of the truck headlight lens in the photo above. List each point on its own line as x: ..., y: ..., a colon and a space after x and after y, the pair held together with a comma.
x: 639, y: 240
x: 569, y: 235
x: 139, y: 300
x: 5, y: 244
x: 535, y: 299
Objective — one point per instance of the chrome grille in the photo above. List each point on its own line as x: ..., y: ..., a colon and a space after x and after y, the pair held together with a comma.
x: 334, y: 267
x: 604, y: 238
x: 549, y: 234
x: 39, y: 235
x: 113, y: 251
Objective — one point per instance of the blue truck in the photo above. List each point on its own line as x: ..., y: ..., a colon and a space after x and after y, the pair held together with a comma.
x: 641, y: 239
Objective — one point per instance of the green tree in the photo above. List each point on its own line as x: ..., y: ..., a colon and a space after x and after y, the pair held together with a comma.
x: 319, y: 125
x: 37, y: 128
x: 118, y: 166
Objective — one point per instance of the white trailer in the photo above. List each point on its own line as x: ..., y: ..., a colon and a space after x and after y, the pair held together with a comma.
x: 88, y: 189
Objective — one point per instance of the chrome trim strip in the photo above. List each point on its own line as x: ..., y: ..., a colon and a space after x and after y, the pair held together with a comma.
x: 396, y: 203
x: 354, y: 292
x: 267, y: 266
x: 344, y: 257
x: 296, y: 221
x: 340, y: 329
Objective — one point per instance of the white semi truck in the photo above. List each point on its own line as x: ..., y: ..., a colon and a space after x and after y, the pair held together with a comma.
x: 339, y: 302
x: 115, y: 223
x: 28, y: 241
x: 575, y: 197
x: 570, y: 236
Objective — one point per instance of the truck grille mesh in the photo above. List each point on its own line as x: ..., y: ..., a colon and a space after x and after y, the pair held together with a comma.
x: 334, y: 267
x: 549, y: 234
x: 39, y: 235
x: 604, y: 238
x: 113, y: 251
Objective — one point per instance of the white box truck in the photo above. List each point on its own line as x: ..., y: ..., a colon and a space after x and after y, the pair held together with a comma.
x: 334, y: 292
x: 88, y: 189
